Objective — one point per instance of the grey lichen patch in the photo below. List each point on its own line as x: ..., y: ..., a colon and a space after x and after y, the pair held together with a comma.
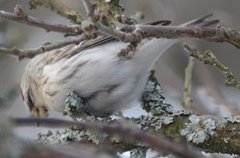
x: 199, y: 129
x: 232, y: 34
x: 167, y: 119
x: 74, y: 105
x: 234, y: 119
x: 153, y: 100
x: 109, y: 8
x: 153, y: 122
x: 138, y: 153
x: 68, y: 135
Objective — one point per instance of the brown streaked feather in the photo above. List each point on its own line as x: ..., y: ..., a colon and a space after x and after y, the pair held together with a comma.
x: 74, y: 72
x: 162, y: 22
x: 51, y: 94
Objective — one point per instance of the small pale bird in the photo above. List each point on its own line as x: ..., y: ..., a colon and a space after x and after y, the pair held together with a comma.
x: 95, y: 71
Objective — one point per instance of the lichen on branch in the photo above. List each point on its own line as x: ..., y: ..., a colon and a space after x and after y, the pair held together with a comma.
x: 58, y: 7
x: 207, y: 57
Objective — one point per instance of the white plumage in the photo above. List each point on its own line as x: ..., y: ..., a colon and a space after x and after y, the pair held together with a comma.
x: 109, y: 82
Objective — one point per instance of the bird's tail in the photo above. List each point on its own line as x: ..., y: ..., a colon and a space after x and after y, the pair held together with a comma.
x: 203, y: 21
x: 150, y: 52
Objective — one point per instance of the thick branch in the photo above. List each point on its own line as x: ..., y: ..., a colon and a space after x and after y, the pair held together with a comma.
x: 31, y: 150
x: 213, y: 134
x: 13, y: 147
x: 209, y: 132
x: 155, y: 142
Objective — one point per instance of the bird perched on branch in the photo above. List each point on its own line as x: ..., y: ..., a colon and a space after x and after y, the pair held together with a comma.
x: 95, y: 71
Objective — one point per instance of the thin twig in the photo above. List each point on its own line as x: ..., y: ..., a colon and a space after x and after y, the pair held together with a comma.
x: 207, y: 57
x: 135, y: 37
x: 58, y: 7
x: 155, y: 142
x: 30, y: 53
x: 187, y: 99
x: 20, y: 16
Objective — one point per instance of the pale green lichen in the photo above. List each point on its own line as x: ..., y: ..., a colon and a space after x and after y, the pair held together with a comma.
x: 232, y: 34
x: 138, y: 153
x: 153, y: 122
x: 207, y: 57
x: 187, y: 99
x: 233, y: 119
x: 74, y: 106
x: 198, y: 129
x: 167, y: 119
x: 67, y: 136
x: 110, y: 9
x: 153, y: 100
x: 60, y: 8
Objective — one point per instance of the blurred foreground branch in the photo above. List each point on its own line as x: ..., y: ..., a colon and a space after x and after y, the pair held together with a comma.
x: 14, y: 147
x: 129, y: 134
x: 214, y: 134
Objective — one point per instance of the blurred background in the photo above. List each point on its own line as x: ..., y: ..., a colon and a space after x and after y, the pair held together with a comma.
x: 210, y: 96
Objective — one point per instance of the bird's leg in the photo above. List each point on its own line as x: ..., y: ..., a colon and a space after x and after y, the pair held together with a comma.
x: 39, y: 112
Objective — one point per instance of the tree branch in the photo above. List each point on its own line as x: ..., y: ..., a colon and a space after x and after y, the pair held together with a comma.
x: 30, y: 53
x: 209, y: 132
x: 219, y: 34
x: 207, y: 57
x: 20, y: 16
x: 59, y: 7
x: 187, y: 99
x: 155, y: 142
